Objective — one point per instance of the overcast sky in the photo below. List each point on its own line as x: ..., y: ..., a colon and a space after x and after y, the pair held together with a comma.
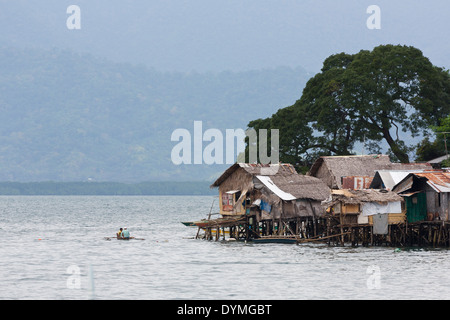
x: 213, y: 35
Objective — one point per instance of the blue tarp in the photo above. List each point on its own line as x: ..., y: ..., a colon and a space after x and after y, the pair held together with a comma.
x: 265, y: 206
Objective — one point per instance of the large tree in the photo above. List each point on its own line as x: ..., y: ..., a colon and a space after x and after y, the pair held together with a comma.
x: 366, y: 97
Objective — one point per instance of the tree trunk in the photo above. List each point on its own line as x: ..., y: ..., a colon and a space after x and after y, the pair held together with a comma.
x: 400, y: 154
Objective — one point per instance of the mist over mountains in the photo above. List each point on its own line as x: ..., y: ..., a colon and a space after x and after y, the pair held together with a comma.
x: 72, y: 117
x: 100, y: 103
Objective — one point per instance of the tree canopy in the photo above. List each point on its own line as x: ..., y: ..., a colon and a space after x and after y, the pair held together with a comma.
x: 368, y: 97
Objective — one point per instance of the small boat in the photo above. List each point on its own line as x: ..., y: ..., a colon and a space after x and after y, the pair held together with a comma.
x: 275, y: 239
x: 130, y: 238
x: 202, y: 223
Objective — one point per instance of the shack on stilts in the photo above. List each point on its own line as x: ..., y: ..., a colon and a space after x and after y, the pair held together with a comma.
x: 427, y: 202
x: 267, y: 202
x: 273, y: 203
x: 367, y: 216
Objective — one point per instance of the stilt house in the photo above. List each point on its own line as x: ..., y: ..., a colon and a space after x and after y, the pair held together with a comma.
x: 377, y: 208
x: 274, y: 191
x: 426, y: 194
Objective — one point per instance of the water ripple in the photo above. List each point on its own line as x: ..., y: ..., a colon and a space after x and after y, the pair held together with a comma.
x: 49, y: 235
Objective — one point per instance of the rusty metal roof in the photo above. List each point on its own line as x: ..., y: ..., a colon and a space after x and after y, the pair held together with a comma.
x: 439, y: 180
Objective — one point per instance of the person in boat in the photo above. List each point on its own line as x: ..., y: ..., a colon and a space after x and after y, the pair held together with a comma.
x: 125, y: 233
x: 119, y: 234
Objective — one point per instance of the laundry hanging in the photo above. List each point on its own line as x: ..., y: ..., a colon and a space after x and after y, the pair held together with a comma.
x: 380, y: 223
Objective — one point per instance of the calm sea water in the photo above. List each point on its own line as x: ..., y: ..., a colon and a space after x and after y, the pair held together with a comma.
x: 53, y: 247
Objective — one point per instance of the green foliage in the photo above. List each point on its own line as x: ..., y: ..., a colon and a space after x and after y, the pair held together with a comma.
x: 445, y: 163
x: 444, y: 125
x: 368, y: 97
x: 427, y: 150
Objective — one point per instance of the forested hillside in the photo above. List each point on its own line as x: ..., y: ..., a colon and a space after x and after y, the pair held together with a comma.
x: 71, y: 117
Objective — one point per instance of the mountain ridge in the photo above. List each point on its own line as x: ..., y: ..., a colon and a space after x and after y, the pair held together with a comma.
x: 69, y: 117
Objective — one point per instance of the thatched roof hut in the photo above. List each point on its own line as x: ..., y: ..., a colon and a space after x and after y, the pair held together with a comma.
x: 248, y: 170
x: 334, y: 169
x: 298, y: 186
x: 361, y: 206
x: 366, y: 195
x: 277, y: 189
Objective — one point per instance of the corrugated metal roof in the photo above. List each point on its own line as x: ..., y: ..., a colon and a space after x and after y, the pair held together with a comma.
x: 390, y: 177
x: 439, y: 159
x: 356, y: 182
x: 438, y: 180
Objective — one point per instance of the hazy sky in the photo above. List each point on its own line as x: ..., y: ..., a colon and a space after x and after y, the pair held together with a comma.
x: 213, y: 35
x: 181, y: 35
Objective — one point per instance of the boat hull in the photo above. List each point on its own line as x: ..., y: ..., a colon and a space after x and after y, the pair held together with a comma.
x: 275, y: 240
x: 126, y: 239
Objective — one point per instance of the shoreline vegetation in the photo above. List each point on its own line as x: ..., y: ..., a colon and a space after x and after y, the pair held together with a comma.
x: 106, y: 188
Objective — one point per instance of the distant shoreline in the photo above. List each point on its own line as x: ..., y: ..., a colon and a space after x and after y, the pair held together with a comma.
x: 187, y: 188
